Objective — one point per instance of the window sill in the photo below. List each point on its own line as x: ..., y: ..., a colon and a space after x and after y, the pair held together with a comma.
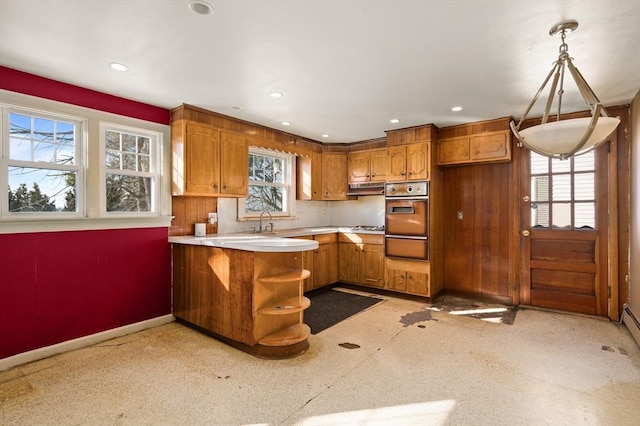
x: 82, y: 224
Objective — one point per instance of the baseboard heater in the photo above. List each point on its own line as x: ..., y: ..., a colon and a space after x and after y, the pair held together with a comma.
x: 631, y: 321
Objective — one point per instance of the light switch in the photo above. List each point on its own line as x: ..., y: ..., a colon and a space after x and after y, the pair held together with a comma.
x: 460, y: 215
x: 213, y: 218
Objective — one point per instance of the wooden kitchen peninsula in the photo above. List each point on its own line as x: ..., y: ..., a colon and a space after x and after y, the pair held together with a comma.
x: 245, y: 291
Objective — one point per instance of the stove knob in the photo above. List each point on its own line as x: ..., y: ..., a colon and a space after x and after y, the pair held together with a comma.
x: 410, y: 189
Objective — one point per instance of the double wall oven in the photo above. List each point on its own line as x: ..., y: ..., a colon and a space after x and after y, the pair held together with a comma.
x: 407, y: 220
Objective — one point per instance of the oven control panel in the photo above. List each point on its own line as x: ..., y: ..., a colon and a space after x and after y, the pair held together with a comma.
x: 407, y: 189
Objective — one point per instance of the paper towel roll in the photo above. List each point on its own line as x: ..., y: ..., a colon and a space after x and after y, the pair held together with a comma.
x: 201, y: 229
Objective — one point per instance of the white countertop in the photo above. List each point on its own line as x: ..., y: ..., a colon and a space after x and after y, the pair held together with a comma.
x: 274, y: 241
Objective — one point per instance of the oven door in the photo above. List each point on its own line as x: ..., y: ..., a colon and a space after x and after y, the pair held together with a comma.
x: 407, y: 248
x: 407, y: 217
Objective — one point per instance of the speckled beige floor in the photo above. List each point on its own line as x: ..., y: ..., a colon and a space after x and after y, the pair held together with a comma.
x: 547, y: 368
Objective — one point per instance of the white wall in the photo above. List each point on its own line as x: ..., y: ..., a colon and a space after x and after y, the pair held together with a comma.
x: 367, y: 210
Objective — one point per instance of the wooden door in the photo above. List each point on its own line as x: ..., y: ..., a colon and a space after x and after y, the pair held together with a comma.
x: 372, y: 265
x: 418, y: 161
x: 202, y: 159
x: 359, y: 167
x: 564, y: 232
x: 348, y: 262
x: 234, y: 165
x: 378, y: 165
x: 397, y: 163
x: 334, y: 176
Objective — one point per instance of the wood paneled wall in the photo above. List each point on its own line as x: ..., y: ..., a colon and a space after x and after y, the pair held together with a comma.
x: 187, y: 211
x: 479, y: 254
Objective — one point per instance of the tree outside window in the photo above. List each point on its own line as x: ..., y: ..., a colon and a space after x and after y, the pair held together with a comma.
x: 269, y: 183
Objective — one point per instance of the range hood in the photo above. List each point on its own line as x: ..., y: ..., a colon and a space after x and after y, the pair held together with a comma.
x: 369, y: 188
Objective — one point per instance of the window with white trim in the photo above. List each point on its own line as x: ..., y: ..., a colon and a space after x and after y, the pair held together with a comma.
x: 42, y: 164
x: 270, y: 182
x: 130, y: 162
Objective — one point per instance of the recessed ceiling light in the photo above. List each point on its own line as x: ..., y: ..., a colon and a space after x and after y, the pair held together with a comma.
x: 118, y: 66
x: 286, y: 123
x: 326, y: 135
x: 394, y: 120
x: 276, y: 94
x: 456, y: 108
x: 200, y: 7
x: 236, y: 107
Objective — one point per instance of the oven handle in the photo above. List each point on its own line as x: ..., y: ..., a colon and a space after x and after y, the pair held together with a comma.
x: 405, y: 237
x: 411, y: 198
x: 407, y: 209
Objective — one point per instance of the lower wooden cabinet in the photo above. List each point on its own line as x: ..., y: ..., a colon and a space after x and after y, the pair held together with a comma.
x: 408, y: 276
x: 361, y: 259
x: 322, y: 263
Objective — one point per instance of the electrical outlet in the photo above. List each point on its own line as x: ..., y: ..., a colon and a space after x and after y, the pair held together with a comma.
x: 213, y: 218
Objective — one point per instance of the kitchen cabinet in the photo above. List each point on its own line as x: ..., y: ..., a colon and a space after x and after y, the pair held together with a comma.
x: 361, y: 259
x: 208, y: 161
x: 322, y: 177
x: 250, y: 300
x: 479, y: 148
x: 409, y: 162
x: 408, y: 276
x: 322, y: 263
x: 334, y: 176
x: 368, y: 166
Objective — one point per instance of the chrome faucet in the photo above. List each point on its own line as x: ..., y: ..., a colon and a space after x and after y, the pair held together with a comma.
x: 270, y: 223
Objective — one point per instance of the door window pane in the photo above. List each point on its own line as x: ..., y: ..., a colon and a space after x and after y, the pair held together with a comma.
x: 561, y: 187
x: 584, y: 216
x: 539, y: 188
x: 561, y: 215
x: 584, y: 186
x: 539, y: 215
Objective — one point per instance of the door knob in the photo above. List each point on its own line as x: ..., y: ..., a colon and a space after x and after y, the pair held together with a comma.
x: 526, y: 233
x: 526, y: 198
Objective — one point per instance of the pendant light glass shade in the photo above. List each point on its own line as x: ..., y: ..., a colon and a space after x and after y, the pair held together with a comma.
x: 565, y: 138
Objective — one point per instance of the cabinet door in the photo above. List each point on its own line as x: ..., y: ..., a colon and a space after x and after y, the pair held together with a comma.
x: 397, y: 163
x: 359, y: 166
x: 418, y: 161
x: 418, y: 283
x: 378, y: 165
x: 316, y: 176
x: 452, y: 151
x: 202, y: 157
x: 396, y: 279
x: 234, y: 165
x: 332, y: 264
x: 334, y: 174
x: 490, y: 147
x: 372, y: 265
x: 349, y: 256
x: 320, y: 266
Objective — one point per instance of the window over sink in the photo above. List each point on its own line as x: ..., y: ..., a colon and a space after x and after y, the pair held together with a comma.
x: 270, y: 184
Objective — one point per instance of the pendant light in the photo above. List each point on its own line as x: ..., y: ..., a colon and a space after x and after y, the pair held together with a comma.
x: 565, y: 138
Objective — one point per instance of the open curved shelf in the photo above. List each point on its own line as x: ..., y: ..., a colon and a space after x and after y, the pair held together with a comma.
x: 288, y: 306
x: 288, y: 336
x: 286, y: 277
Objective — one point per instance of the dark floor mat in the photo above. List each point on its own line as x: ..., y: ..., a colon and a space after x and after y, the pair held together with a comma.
x: 492, y: 312
x: 332, y: 306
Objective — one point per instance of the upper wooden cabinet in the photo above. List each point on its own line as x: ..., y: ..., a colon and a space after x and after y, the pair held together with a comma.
x: 208, y: 161
x: 368, y: 166
x: 409, y: 153
x: 409, y: 162
x: 334, y: 176
x: 475, y: 148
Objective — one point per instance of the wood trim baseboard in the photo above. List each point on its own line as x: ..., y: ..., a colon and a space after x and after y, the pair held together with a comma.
x: 82, y: 342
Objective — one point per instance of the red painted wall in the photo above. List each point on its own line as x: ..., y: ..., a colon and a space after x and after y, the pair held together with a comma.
x: 58, y: 286
x: 30, y: 84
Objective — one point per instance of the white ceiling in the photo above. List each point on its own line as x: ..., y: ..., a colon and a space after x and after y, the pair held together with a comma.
x: 344, y: 67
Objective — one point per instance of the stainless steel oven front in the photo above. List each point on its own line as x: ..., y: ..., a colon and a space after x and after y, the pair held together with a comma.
x: 407, y: 220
